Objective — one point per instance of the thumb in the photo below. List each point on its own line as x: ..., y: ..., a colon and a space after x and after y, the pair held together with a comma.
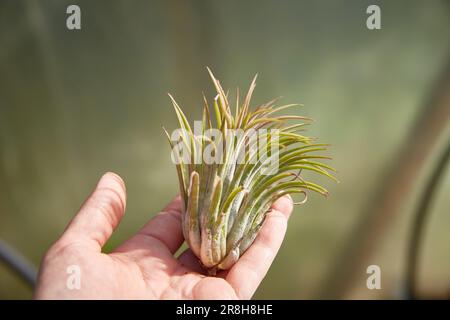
x: 100, y: 214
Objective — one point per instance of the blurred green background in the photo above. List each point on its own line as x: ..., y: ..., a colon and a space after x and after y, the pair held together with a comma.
x: 74, y: 104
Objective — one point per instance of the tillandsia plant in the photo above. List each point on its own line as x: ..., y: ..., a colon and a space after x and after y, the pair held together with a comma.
x: 232, y: 166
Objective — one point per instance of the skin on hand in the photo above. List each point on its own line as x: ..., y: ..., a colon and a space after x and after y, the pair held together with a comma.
x: 144, y: 267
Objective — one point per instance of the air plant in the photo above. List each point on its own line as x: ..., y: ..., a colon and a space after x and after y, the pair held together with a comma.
x: 225, y: 202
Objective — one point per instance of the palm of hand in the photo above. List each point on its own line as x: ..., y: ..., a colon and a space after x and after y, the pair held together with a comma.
x: 144, y: 267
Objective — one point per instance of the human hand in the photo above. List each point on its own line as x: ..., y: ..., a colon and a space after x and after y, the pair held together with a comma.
x: 144, y: 267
